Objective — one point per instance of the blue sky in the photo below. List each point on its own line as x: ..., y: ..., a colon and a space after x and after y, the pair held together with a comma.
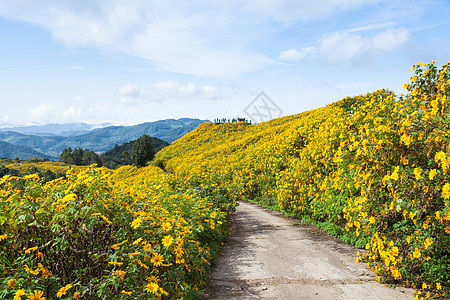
x: 127, y: 62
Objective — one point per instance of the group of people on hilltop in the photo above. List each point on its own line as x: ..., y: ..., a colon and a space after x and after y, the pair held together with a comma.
x: 234, y: 120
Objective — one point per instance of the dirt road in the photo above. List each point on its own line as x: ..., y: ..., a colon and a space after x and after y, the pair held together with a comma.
x: 267, y: 257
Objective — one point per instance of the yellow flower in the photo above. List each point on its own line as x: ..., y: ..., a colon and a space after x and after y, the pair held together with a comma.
x: 45, y: 272
x: 167, y: 240
x: 36, y: 296
x: 395, y: 272
x: 136, y: 223
x: 31, y: 249
x: 446, y: 191
x: 34, y: 177
x: 157, y: 259
x: 428, y: 242
x: 18, y: 295
x: 438, y: 286
x: 41, y: 256
x: 153, y: 279
x: 137, y: 241
x: 105, y: 219
x: 11, y: 283
x: 394, y: 175
x: 432, y: 174
x: 3, y: 236
x: 152, y: 287
x: 116, y: 246
x: 405, y: 139
x: 167, y: 226
x: 395, y: 251
x: 30, y: 271
x: 440, y: 156
x: 417, y: 173
x: 119, y: 273
x: 416, y: 253
x: 76, y: 295
x: 62, y: 291
x: 126, y: 293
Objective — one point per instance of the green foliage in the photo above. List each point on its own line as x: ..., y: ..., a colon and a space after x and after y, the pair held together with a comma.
x: 142, y: 151
x: 120, y: 155
x: 79, y: 157
x: 7, y: 171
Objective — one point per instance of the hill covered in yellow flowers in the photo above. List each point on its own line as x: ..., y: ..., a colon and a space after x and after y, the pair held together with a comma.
x: 371, y: 169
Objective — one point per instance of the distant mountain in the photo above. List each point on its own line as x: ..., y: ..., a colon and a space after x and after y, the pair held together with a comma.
x: 38, y: 143
x: 8, y: 150
x: 102, y: 139
x: 68, y: 129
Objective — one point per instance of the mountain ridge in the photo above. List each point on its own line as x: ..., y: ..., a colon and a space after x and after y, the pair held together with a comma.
x: 61, y: 129
x: 8, y: 150
x: 102, y: 139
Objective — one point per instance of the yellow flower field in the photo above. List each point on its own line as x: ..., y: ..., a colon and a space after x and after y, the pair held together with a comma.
x: 102, y: 234
x: 372, y: 170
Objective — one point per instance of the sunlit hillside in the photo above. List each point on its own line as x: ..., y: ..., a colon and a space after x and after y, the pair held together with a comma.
x: 370, y: 169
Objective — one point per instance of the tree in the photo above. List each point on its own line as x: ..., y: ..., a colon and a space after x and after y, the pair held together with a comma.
x: 90, y: 157
x: 79, y: 157
x: 66, y: 156
x: 142, y: 151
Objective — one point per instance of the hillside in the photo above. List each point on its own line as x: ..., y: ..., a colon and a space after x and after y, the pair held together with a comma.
x: 371, y: 169
x: 8, y: 150
x: 102, y: 139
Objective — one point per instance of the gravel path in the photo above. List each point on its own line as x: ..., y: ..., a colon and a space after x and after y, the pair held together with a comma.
x: 267, y: 257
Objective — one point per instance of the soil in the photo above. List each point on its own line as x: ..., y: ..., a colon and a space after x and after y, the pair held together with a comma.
x: 268, y: 257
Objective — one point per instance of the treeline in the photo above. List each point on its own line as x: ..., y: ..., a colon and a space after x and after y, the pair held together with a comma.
x: 80, y: 157
x: 137, y: 152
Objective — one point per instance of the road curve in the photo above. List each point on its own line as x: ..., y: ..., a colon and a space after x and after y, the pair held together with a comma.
x: 267, y: 257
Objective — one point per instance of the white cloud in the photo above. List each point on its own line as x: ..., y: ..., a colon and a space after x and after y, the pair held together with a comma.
x: 348, y: 46
x: 210, y: 92
x: 196, y: 37
x: 129, y: 93
x: 189, y: 38
x: 390, y: 39
x: 166, y: 90
x: 129, y: 90
x: 43, y: 112
x: 297, y: 55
